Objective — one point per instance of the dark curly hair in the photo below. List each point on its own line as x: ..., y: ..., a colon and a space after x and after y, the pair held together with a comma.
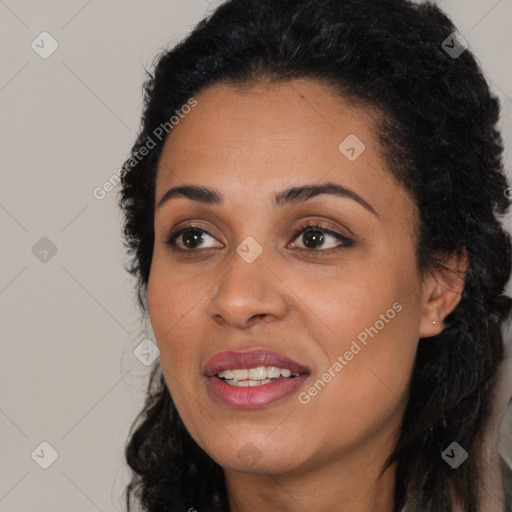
x: 438, y: 134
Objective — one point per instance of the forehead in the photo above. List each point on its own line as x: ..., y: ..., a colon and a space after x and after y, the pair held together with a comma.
x: 294, y: 116
x: 272, y: 135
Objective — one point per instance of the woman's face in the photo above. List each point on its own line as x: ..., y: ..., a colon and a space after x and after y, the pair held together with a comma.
x: 250, y: 285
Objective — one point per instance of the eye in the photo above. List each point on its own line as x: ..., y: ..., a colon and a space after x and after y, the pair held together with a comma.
x: 189, y: 238
x: 314, y: 237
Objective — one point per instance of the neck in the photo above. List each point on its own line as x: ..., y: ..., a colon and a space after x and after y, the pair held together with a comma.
x: 351, y: 483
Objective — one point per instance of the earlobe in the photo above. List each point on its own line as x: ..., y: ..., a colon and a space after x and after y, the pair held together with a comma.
x: 442, y: 293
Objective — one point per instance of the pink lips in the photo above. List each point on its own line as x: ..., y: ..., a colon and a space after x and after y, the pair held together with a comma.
x: 254, y: 396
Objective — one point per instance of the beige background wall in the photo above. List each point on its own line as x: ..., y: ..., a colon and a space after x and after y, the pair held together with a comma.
x: 69, y: 322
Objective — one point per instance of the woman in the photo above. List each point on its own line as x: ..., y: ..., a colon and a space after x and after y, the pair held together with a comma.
x: 313, y: 211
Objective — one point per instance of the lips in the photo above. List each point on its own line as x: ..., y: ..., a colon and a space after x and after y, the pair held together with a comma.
x: 256, y: 396
x: 230, y: 360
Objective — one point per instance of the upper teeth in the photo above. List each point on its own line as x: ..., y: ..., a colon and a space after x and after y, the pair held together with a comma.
x: 258, y: 373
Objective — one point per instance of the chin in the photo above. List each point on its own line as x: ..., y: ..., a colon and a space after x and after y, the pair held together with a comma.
x: 257, y: 455
x: 268, y: 464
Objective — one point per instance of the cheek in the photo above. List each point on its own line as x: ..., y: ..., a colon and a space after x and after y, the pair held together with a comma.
x: 360, y: 294
x: 368, y: 334
x: 176, y: 307
x: 174, y: 310
x: 170, y: 296
x: 167, y: 312
x: 168, y: 303
x: 362, y: 389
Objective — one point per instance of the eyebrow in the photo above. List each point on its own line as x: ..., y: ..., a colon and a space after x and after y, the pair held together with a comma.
x: 292, y: 195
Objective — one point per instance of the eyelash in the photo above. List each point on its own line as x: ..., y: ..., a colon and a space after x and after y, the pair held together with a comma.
x: 345, y: 241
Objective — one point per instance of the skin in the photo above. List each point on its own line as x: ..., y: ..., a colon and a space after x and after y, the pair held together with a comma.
x: 250, y: 144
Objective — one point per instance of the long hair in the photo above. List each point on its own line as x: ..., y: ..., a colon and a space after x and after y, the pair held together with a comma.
x: 438, y: 134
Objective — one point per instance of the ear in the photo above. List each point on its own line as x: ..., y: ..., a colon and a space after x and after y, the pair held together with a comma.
x: 442, y: 291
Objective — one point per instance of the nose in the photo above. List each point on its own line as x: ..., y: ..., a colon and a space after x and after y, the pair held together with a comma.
x: 248, y: 293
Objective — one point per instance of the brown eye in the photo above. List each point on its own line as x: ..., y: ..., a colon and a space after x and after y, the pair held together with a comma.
x: 312, y: 238
x: 189, y: 239
x: 317, y: 239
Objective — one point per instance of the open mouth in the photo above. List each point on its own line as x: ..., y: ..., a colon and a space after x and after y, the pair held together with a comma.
x: 254, y: 378
x: 257, y: 376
